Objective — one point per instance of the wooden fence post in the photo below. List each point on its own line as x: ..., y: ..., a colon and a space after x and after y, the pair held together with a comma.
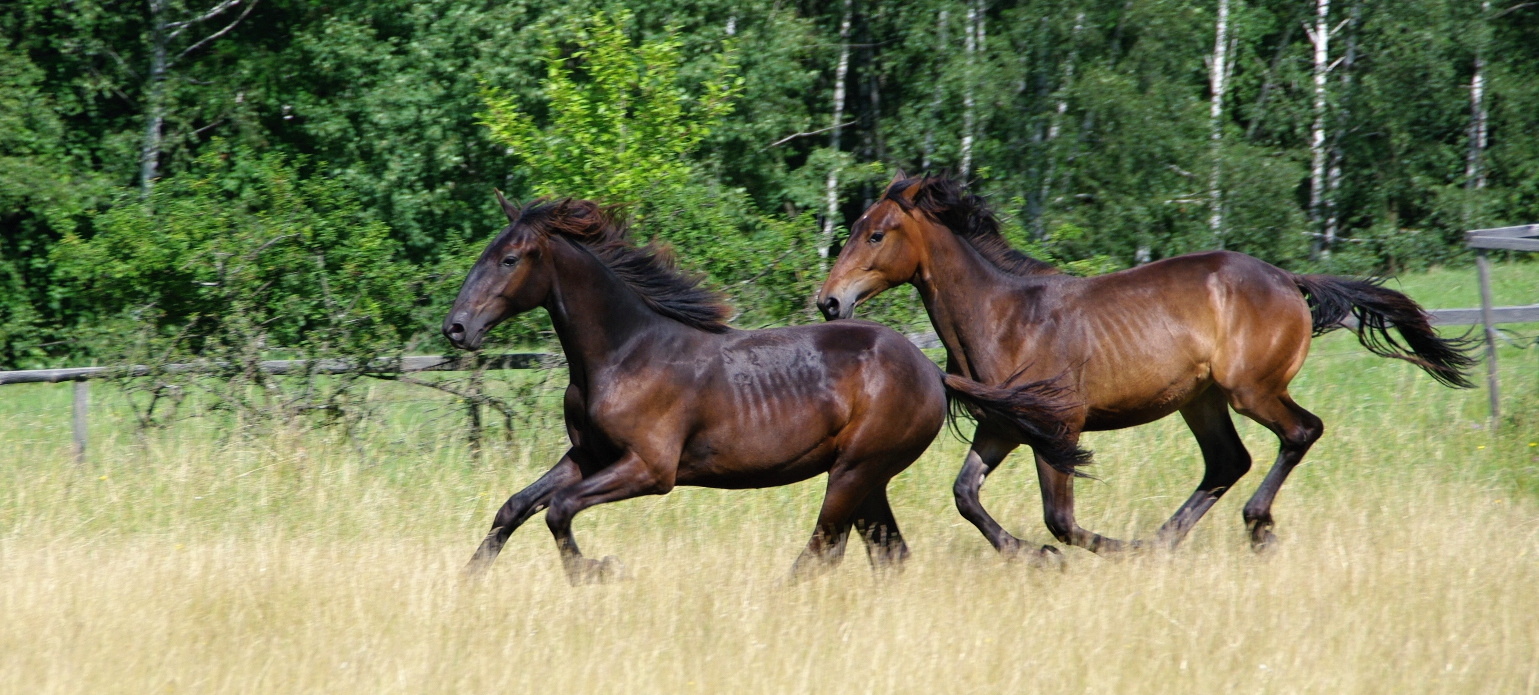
x: 82, y: 404
x: 1483, y: 267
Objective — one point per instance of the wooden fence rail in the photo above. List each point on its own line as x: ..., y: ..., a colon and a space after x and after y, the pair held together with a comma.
x: 423, y: 363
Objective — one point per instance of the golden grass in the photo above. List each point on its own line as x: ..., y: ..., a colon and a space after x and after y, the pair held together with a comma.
x: 293, y: 564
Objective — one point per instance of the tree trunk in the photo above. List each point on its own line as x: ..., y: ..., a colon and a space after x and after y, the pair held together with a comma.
x: 1334, y: 169
x: 1474, y: 160
x: 831, y: 213
x: 154, y: 99
x: 972, y: 45
x: 1320, y: 37
x: 1217, y: 75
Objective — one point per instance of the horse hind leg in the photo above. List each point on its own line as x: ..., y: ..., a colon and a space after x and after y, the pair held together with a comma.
x: 874, y: 520
x: 848, y: 490
x: 1298, y: 429
x: 1224, y: 458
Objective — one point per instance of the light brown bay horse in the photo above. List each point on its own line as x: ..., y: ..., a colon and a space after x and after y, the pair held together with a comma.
x: 1196, y: 334
x: 663, y: 393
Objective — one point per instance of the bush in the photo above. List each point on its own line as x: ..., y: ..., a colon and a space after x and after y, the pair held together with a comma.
x: 242, y: 258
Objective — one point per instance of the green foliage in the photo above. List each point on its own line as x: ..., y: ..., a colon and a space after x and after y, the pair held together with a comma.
x: 620, y: 128
x: 240, y: 258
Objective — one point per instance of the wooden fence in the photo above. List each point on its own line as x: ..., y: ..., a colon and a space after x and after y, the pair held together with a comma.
x: 1520, y: 238
x: 81, y: 376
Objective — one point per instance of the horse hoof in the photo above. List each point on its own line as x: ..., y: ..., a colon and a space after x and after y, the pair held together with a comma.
x: 1049, y: 557
x: 1263, y: 543
x: 605, y: 571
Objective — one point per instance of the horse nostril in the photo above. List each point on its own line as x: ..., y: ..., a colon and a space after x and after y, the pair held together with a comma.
x: 456, y: 331
x: 831, y: 308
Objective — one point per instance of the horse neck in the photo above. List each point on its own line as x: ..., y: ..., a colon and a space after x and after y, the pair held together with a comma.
x: 595, y: 314
x: 959, y: 288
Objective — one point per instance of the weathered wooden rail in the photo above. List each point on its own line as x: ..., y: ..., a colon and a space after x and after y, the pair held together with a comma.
x: 81, y: 376
x: 1519, y: 238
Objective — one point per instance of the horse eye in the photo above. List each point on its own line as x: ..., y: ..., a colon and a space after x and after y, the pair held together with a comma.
x: 876, y: 237
x: 510, y: 261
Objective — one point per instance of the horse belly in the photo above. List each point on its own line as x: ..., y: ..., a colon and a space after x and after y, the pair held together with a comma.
x: 766, y: 457
x: 1143, y: 398
x: 758, y: 450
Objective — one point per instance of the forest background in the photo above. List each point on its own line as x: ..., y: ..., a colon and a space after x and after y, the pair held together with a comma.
x: 186, y: 178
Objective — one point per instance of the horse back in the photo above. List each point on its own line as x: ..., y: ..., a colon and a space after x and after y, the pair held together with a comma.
x: 774, y: 406
x: 1141, y: 342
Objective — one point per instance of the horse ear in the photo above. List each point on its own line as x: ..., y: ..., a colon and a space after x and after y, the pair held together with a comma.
x: 509, y: 209
x: 564, y: 206
x: 897, y: 176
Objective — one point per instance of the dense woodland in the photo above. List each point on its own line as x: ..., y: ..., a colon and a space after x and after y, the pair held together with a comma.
x: 312, y: 176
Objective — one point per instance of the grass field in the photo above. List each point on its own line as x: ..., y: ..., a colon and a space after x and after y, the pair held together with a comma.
x: 191, y: 561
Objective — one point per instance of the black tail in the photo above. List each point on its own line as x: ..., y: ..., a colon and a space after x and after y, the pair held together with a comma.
x: 1034, y: 412
x: 1377, y: 308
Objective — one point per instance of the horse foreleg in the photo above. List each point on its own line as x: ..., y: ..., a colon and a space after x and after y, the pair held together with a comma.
x: 518, y: 509
x: 1224, y: 459
x: 1058, y: 512
x: 987, y: 452
x: 628, y: 477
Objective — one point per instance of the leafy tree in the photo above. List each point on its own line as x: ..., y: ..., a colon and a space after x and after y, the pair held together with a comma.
x: 242, y: 257
x: 622, y: 129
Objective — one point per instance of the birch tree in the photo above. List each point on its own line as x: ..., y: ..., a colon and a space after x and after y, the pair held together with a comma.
x: 1217, y: 74
x: 973, y: 45
x: 1335, y: 155
x: 1474, y: 158
x: 831, y: 186
x: 1320, y: 38
x: 171, y: 42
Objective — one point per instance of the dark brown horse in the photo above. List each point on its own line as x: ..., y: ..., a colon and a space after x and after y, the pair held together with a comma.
x: 1196, y: 334
x: 663, y: 393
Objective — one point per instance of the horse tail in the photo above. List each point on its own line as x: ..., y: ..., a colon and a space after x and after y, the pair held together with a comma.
x: 1033, y: 412
x: 1377, y: 308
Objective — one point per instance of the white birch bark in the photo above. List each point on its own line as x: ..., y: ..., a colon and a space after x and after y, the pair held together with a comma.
x: 1218, y: 72
x: 970, y: 48
x: 1474, y: 164
x: 841, y: 71
x: 1334, y: 167
x: 163, y: 33
x: 154, y: 100
x: 1320, y: 37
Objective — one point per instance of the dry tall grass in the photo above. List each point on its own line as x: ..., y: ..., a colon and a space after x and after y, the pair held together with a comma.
x: 1407, y: 564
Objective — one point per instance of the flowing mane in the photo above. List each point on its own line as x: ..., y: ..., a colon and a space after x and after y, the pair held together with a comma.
x: 968, y: 216
x: 651, y: 270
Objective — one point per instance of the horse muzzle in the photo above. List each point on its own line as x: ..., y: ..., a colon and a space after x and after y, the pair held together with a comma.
x: 833, y: 307
x: 462, y: 333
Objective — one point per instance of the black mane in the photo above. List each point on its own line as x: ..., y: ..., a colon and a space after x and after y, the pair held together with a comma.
x: 968, y: 216
x: 650, y: 270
